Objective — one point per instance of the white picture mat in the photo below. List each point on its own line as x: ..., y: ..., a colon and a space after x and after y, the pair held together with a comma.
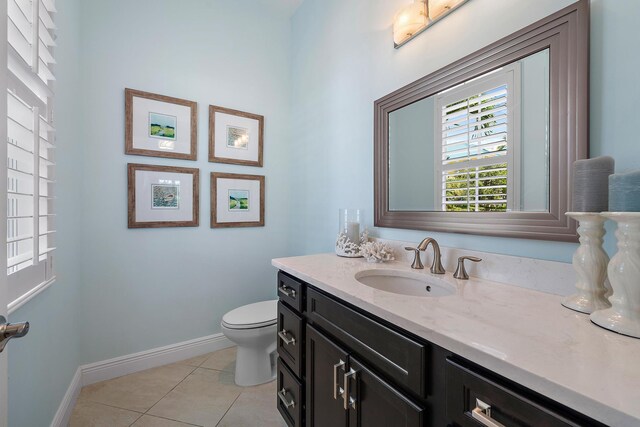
x: 140, y: 115
x: 143, y: 181
x: 222, y: 200
x: 222, y: 120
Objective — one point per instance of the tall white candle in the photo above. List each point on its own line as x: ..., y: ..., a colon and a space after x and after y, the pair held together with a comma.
x: 353, y: 232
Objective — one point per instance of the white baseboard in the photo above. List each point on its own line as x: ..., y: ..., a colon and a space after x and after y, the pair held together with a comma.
x: 123, y: 365
x: 63, y: 414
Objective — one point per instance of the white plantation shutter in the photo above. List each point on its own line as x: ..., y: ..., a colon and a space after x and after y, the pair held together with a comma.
x: 477, y: 143
x: 30, y: 145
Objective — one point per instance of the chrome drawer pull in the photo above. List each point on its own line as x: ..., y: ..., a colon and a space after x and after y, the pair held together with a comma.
x: 346, y: 398
x: 282, y: 395
x: 482, y: 414
x: 337, y: 390
x: 291, y: 293
x: 286, y: 337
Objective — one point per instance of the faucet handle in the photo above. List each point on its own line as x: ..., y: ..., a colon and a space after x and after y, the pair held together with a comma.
x: 461, y: 272
x: 417, y: 262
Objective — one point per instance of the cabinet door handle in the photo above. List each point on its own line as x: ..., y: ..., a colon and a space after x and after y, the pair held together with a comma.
x: 282, y: 395
x: 290, y: 292
x: 337, y: 390
x: 286, y: 337
x: 482, y: 414
x: 347, y: 399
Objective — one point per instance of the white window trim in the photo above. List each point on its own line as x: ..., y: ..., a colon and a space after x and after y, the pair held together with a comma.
x: 510, y: 75
x: 27, y: 283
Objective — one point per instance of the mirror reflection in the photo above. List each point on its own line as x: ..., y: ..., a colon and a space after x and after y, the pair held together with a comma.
x: 480, y: 146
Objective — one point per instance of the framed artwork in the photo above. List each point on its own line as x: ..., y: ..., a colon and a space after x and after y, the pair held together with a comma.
x: 162, y: 196
x: 160, y: 126
x: 237, y: 200
x: 235, y: 136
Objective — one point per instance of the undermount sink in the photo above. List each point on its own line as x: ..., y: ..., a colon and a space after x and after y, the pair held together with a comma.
x: 403, y: 282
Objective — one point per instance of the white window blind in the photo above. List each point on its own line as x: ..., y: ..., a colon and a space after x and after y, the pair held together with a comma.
x: 476, y: 144
x: 30, y: 145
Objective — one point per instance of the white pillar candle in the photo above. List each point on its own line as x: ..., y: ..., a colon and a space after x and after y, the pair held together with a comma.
x: 353, y: 232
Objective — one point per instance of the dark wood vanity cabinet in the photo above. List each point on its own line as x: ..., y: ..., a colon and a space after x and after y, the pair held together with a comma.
x: 290, y: 344
x: 341, y: 391
x: 340, y: 366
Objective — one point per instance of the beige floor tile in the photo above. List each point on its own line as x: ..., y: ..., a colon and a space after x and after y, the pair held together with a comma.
x: 256, y: 406
x: 201, y: 399
x: 195, y: 361
x: 90, y: 414
x: 222, y: 360
x: 138, y: 391
x: 149, y: 421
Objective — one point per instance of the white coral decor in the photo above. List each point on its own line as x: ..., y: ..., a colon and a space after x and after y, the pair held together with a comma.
x: 376, y: 252
x: 346, y: 248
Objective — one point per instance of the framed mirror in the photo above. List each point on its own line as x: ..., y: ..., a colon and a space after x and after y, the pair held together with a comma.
x: 485, y: 145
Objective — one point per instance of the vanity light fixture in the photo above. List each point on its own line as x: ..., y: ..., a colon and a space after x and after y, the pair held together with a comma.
x: 416, y: 17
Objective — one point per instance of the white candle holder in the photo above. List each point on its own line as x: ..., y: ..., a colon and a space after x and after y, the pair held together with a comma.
x: 624, y: 273
x: 351, y: 233
x: 590, y: 263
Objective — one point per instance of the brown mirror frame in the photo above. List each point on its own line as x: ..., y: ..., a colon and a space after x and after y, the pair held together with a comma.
x: 566, y: 35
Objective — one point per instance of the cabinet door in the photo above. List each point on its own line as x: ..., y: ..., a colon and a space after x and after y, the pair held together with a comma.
x: 373, y: 402
x: 325, y: 370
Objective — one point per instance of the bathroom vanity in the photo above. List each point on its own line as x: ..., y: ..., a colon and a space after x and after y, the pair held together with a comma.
x: 487, y: 354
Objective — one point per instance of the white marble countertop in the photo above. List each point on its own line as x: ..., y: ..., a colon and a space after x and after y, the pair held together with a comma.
x: 522, y: 334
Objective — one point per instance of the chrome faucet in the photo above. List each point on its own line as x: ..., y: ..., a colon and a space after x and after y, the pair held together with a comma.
x: 436, y: 266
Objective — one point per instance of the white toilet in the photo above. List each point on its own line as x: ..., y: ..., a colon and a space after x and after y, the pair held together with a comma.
x: 253, y: 328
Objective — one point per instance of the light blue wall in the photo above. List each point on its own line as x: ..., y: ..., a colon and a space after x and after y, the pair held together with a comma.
x: 145, y: 288
x: 42, y: 364
x: 343, y: 60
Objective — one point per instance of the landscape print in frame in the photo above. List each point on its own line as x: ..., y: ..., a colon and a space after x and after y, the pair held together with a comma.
x: 235, y: 137
x: 160, y: 126
x: 162, y: 196
x: 237, y: 200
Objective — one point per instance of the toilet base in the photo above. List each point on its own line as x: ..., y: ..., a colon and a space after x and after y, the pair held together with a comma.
x: 256, y: 354
x: 253, y: 368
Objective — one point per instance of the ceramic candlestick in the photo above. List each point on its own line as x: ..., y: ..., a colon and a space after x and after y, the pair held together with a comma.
x: 624, y: 273
x: 590, y: 263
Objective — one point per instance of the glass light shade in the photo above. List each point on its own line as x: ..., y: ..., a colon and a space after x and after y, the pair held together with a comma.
x: 438, y: 7
x: 409, y: 20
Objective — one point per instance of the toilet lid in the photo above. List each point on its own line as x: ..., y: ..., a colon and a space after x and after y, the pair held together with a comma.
x: 255, y: 315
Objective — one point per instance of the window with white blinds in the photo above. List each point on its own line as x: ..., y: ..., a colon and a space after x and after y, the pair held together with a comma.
x: 476, y: 144
x: 30, y: 145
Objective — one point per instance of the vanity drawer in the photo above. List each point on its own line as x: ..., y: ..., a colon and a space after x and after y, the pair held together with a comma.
x: 290, y: 399
x: 469, y: 391
x: 291, y: 291
x: 290, y: 338
x: 399, y: 358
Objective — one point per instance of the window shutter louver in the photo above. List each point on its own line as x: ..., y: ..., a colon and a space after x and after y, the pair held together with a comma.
x: 30, y: 144
x: 476, y: 145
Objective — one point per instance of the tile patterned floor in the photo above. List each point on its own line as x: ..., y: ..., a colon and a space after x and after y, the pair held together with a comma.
x: 195, y: 392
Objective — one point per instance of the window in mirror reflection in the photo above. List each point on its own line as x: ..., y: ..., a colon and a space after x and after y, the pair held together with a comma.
x: 475, y: 148
x: 481, y: 146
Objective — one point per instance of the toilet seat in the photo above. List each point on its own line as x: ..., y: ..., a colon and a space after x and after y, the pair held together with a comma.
x: 252, y: 316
